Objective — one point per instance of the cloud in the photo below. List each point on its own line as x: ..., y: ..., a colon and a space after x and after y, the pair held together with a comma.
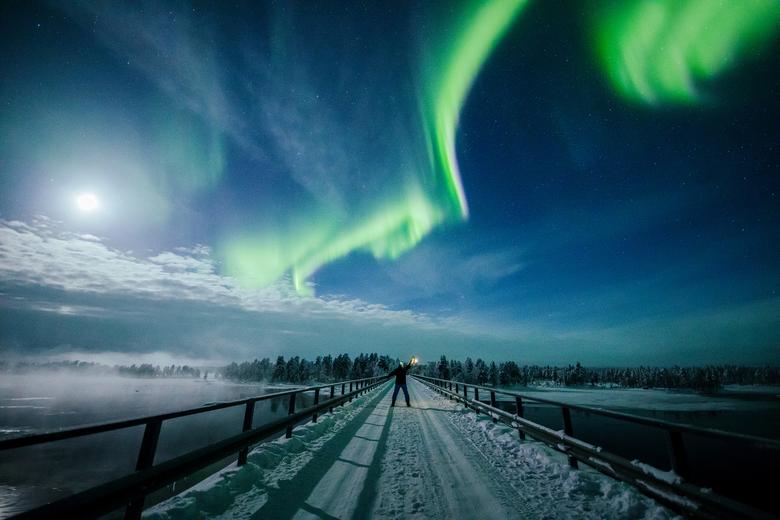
x: 435, y: 269
x: 176, y: 53
x: 38, y: 254
x: 62, y: 294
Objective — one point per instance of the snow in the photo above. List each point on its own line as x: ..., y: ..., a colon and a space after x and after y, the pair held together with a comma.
x: 670, y: 477
x: 238, y: 492
x: 671, y: 497
x: 753, y: 389
x: 648, y: 399
x: 433, y: 460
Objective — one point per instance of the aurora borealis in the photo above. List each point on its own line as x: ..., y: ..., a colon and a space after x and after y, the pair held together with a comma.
x: 657, y: 51
x: 430, y: 193
x: 587, y: 179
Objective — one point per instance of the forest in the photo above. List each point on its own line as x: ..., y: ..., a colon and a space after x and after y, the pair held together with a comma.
x: 300, y: 370
x: 325, y: 369
x: 510, y: 373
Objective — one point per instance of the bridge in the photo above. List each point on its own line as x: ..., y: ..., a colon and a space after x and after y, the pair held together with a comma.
x: 461, y: 451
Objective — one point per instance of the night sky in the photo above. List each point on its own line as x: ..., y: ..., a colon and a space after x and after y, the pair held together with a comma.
x: 543, y: 181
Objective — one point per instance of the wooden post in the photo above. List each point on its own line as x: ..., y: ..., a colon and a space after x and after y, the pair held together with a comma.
x: 519, y: 412
x: 476, y: 398
x: 145, y: 460
x: 568, y: 430
x: 249, y: 413
x: 290, y: 411
x: 316, y: 401
x: 332, y: 390
x: 677, y: 456
x: 493, y: 402
x: 148, y: 445
x: 350, y: 391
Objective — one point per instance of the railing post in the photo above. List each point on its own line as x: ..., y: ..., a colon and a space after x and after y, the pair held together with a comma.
x: 476, y: 398
x: 332, y: 391
x: 677, y: 456
x: 316, y: 401
x: 350, y: 391
x: 290, y: 411
x: 457, y: 388
x: 145, y: 460
x: 249, y: 414
x: 568, y: 430
x: 493, y: 402
x: 148, y: 445
x: 519, y: 412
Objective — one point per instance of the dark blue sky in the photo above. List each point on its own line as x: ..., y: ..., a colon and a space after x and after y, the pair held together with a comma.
x: 601, y: 228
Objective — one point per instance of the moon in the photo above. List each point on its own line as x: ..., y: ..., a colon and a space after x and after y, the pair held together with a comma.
x: 87, y: 202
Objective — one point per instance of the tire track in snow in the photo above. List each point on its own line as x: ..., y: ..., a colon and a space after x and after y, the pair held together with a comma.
x: 428, y: 471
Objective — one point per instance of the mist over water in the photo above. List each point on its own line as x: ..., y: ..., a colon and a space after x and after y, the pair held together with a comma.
x: 48, y: 401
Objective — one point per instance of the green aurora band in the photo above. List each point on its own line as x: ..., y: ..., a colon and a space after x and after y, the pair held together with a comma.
x: 425, y: 200
x: 658, y: 51
x: 480, y: 31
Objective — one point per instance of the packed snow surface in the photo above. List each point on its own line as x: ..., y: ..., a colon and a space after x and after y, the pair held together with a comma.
x: 433, y: 460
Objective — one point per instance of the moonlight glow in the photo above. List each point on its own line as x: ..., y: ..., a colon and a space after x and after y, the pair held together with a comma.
x: 87, y: 202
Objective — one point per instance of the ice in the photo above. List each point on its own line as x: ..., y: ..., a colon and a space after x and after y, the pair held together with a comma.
x: 648, y: 399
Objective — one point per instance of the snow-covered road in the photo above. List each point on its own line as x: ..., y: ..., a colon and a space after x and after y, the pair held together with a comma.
x: 429, y: 470
x: 433, y: 460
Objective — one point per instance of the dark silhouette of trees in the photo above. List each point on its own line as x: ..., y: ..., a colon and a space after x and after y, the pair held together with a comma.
x: 443, y: 368
x: 302, y: 371
x: 508, y: 373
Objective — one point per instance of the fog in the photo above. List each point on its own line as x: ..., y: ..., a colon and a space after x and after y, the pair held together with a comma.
x: 49, y: 400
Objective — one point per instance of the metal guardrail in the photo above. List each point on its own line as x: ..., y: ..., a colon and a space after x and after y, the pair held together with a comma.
x: 669, y: 488
x: 131, y: 490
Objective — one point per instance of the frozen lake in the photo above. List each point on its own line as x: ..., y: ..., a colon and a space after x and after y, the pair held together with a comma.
x: 753, y: 410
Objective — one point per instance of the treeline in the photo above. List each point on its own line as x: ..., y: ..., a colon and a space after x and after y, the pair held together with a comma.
x: 90, y: 368
x: 508, y: 373
x: 300, y: 370
x: 148, y: 370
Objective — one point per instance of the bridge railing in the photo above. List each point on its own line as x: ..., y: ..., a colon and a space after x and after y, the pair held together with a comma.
x: 131, y: 490
x: 671, y: 488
